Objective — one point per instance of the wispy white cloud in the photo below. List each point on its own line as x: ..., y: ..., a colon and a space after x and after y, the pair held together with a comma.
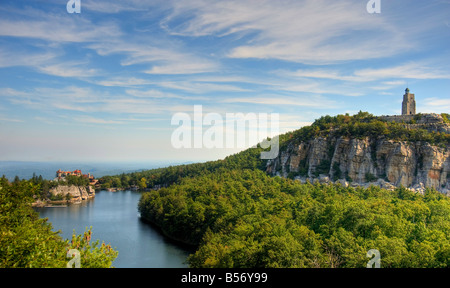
x: 93, y: 120
x: 134, y: 53
x: 47, y: 61
x: 89, y: 102
x: 405, y: 71
x: 185, y: 66
x: 190, y: 84
x: 302, y: 31
x: 200, y: 87
x: 105, y: 38
x: 12, y: 57
x: 309, y: 31
x: 324, y: 74
x: 312, y: 101
x: 157, y: 94
x: 412, y: 70
x: 317, y: 87
x: 69, y: 69
x: 394, y: 83
x: 436, y: 105
x: 8, y: 119
x: 115, y: 7
x: 290, y: 122
x: 55, y: 28
x: 10, y: 92
x: 163, y: 57
x: 123, y: 82
x: 45, y: 120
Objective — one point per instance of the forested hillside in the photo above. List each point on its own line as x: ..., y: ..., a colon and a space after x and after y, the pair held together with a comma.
x: 244, y: 218
x: 359, y: 126
x: 248, y: 159
x: 239, y: 216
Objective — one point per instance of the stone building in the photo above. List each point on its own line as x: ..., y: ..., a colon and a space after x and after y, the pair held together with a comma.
x: 408, y: 104
x: 61, y: 175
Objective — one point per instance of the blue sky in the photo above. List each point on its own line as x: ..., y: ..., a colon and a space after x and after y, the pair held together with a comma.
x: 103, y: 85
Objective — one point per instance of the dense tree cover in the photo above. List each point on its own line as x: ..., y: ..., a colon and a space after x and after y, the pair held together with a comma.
x: 446, y: 117
x: 244, y: 218
x: 248, y: 159
x: 27, y: 241
x: 76, y: 180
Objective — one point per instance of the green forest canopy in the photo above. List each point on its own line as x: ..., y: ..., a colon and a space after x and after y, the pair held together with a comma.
x: 27, y: 241
x: 244, y: 218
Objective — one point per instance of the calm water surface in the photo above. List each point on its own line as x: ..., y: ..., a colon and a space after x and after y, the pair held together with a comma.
x: 114, y: 219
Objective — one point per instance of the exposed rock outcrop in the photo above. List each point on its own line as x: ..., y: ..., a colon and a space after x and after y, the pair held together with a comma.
x: 382, y: 162
x: 76, y: 193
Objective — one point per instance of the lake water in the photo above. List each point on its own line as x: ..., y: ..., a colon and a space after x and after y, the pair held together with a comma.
x: 114, y: 219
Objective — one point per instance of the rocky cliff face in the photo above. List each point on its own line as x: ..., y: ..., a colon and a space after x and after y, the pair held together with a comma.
x: 77, y: 193
x: 381, y: 162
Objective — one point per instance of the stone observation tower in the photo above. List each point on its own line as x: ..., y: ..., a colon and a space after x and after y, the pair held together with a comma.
x: 408, y: 104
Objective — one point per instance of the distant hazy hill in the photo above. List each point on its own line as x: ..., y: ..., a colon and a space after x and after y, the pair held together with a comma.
x: 25, y: 169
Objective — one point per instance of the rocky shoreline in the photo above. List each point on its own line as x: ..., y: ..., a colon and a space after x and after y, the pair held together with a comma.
x: 66, y: 195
